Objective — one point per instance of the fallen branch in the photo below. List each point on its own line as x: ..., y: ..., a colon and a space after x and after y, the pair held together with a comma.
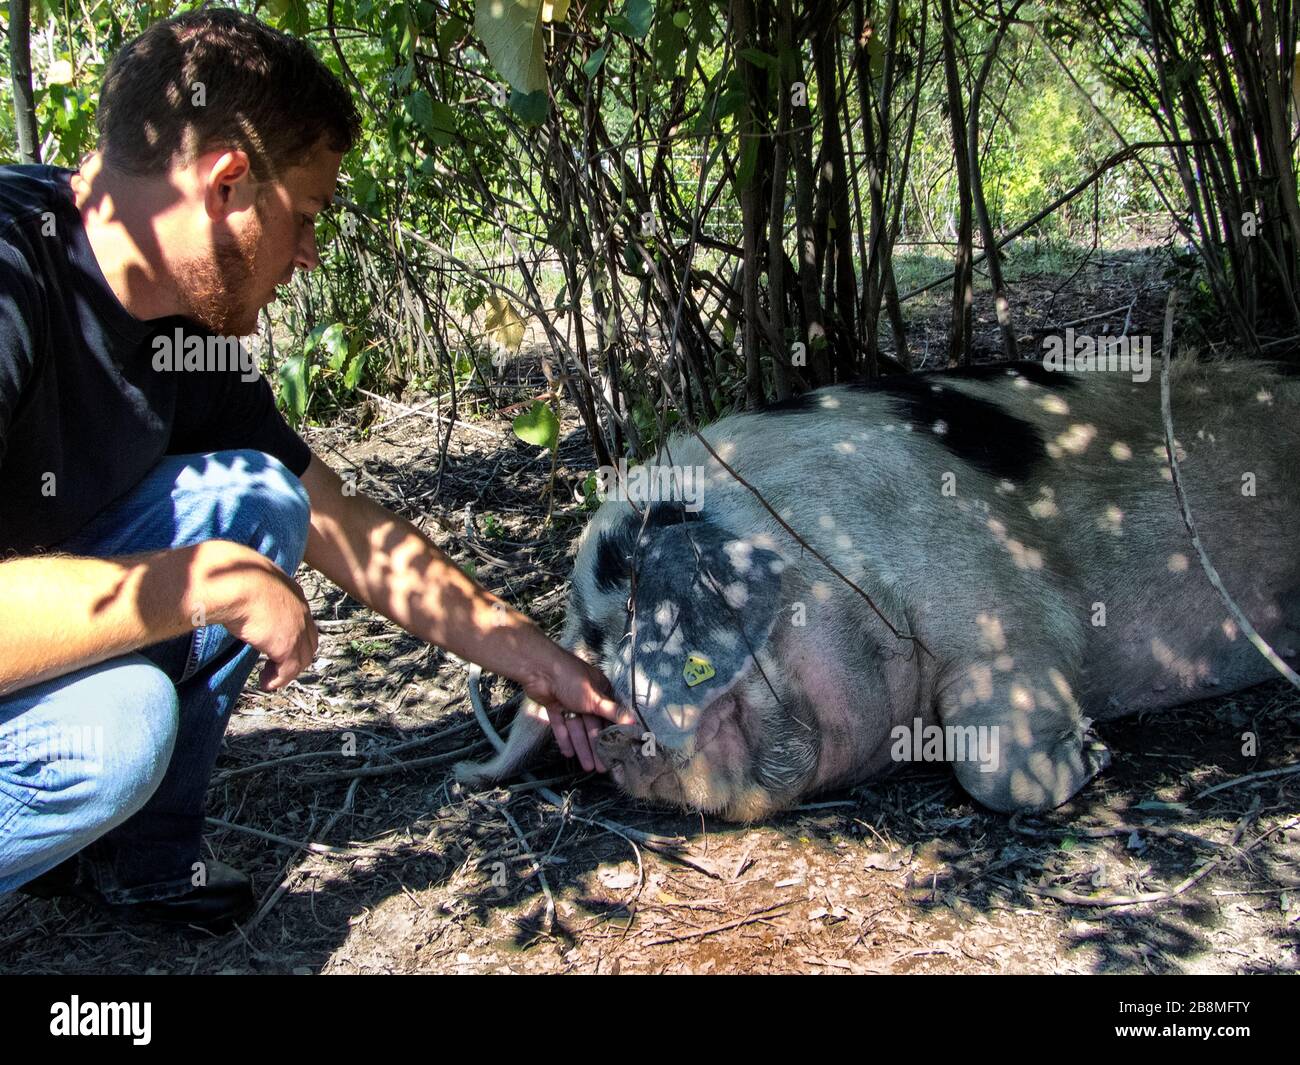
x: 1087, y: 832
x: 432, y: 416
x: 766, y: 914
x: 315, y: 848
x: 400, y: 767
x: 1263, y: 774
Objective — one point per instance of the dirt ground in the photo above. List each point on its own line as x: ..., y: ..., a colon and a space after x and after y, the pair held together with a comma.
x: 336, y: 796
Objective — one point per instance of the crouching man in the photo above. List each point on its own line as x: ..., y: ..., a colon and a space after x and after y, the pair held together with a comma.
x: 153, y: 512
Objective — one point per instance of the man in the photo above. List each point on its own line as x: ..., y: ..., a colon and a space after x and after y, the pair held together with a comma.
x: 154, y: 505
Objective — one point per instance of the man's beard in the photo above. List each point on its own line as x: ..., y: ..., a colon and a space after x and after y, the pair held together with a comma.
x: 214, y: 289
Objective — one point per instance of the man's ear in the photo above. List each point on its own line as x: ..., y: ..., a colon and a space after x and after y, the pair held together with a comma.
x: 227, y: 182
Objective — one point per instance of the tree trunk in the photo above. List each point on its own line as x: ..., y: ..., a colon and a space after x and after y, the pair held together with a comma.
x: 992, y: 255
x: 20, y: 75
x: 959, y: 332
x: 751, y: 200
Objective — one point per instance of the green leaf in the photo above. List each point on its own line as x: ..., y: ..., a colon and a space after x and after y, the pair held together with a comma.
x: 419, y: 106
x: 727, y: 99
x: 876, y: 53
x: 759, y: 58
x: 332, y: 337
x: 355, y: 368
x: 635, y: 19
x: 538, y: 426
x: 530, y: 107
x: 632, y: 260
x: 451, y: 31
x: 434, y: 117
x: 592, y: 65
x: 291, y: 16
x: 511, y: 31
x: 295, y: 375
x: 668, y: 47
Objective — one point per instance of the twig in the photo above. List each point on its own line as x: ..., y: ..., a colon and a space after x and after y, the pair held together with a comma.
x: 309, y: 756
x: 290, y: 873
x: 1087, y: 832
x: 767, y: 914
x: 400, y: 767
x: 489, y: 433
x: 1263, y: 774
x: 315, y: 848
x: 1094, y: 317
x: 541, y: 869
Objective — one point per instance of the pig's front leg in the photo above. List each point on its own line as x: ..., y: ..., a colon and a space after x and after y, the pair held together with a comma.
x: 1023, y: 742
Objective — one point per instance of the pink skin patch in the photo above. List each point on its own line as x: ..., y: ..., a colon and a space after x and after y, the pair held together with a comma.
x: 720, y: 738
x: 847, y: 740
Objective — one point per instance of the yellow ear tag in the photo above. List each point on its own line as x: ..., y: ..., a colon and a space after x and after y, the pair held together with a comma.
x: 698, y: 669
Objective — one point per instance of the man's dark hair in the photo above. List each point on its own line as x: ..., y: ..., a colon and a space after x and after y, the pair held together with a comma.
x: 218, y: 78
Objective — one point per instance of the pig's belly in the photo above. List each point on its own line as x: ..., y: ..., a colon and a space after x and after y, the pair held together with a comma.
x: 1175, y: 659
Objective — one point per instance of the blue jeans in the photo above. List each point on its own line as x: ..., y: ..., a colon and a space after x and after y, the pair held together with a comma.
x: 113, y: 761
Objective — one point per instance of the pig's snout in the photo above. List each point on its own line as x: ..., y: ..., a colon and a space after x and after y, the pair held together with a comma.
x: 619, y: 743
x: 635, y: 760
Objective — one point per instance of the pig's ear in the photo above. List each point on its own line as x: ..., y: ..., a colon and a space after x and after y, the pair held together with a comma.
x: 705, y: 603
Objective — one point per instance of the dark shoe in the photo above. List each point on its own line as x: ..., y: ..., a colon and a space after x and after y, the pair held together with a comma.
x: 216, y: 906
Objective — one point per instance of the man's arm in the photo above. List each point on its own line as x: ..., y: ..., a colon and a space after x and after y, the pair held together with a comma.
x: 384, y: 561
x: 60, y: 613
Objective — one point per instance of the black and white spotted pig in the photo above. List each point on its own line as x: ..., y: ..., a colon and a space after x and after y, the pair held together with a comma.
x: 1020, y: 523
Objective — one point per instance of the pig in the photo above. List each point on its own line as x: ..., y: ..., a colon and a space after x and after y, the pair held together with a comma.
x: 995, y: 559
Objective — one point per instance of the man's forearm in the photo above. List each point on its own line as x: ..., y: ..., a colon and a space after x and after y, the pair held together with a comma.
x: 60, y: 613
x: 384, y: 561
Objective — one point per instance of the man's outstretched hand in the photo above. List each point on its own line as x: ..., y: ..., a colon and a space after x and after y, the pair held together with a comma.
x: 578, y: 702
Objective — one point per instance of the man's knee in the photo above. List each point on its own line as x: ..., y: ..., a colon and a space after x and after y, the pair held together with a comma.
x: 82, y: 755
x: 262, y: 505
x: 139, y: 737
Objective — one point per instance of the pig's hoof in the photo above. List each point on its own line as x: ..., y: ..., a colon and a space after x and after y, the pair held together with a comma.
x: 1096, y: 758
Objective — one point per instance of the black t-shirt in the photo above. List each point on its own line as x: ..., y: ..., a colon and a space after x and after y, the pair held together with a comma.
x: 84, y: 412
